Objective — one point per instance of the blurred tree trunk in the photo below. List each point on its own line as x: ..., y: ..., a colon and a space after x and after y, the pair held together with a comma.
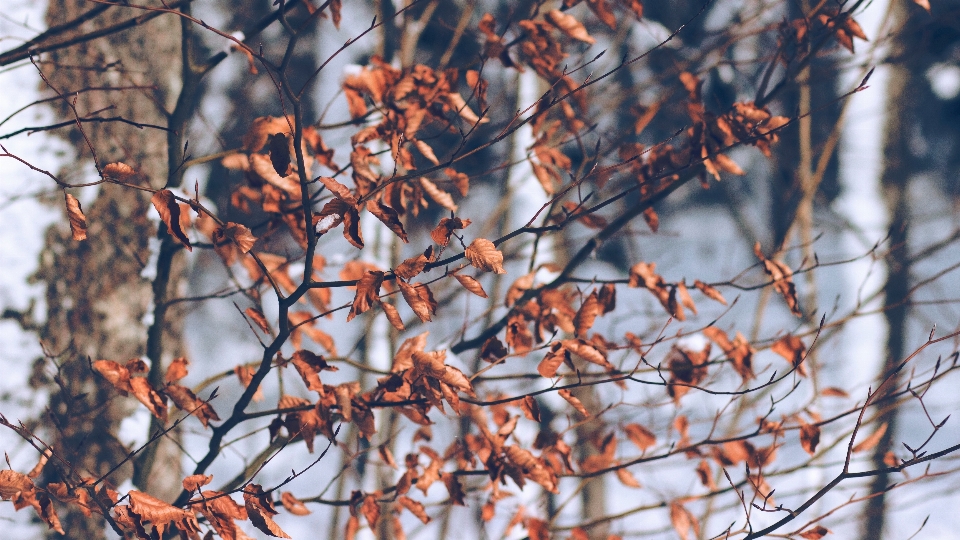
x: 98, y: 299
x: 894, y: 181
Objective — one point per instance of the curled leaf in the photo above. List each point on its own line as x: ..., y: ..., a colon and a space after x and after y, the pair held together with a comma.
x: 483, y: 254
x: 166, y: 205
x: 78, y: 222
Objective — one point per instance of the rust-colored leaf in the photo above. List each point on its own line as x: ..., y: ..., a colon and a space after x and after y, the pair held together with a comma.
x: 309, y: 366
x: 419, y: 298
x: 169, y: 210
x: 815, y: 533
x: 157, y: 512
x: 471, y: 284
x: 239, y: 234
x: 415, y: 507
x: 483, y: 254
x: 574, y: 402
x: 441, y: 234
x: 245, y: 374
x: 258, y: 318
x: 78, y: 222
x: 388, y: 216
x: 414, y: 265
x: 809, y: 437
x: 871, y: 441
x: 782, y: 280
x: 792, y: 349
x: 176, y: 370
x: 368, y: 293
x: 260, y: 511
x: 642, y: 437
x: 833, y: 391
x: 626, y: 478
x: 569, y: 25
x: 438, y: 195
x: 685, y: 297
x: 196, y: 481
x: 118, y: 375
x: 589, y: 310
x: 187, y: 401
x: 683, y: 521
x: 552, y: 361
x: 293, y: 505
x: 709, y: 292
x: 145, y: 393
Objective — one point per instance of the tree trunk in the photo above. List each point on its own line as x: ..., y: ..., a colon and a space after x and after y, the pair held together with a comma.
x: 98, y: 300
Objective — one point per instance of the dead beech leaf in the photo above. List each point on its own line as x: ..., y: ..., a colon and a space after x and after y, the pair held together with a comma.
x: 471, y: 285
x: 368, y: 293
x: 309, y: 366
x: 338, y: 189
x: 118, y: 171
x: 782, y: 280
x: 818, y: 532
x: 166, y: 204
x: 245, y: 375
x: 438, y: 195
x: 683, y: 521
x: 159, y: 513
x: 415, y: 507
x: 685, y: 298
x: 293, y: 505
x: 552, y: 361
x: 78, y: 222
x: 871, y: 441
x: 441, y: 234
x: 589, y: 310
x: 240, y: 235
x: 393, y: 315
x: 187, y: 401
x: 626, y: 478
x: 260, y: 511
x: 456, y: 102
x: 176, y: 370
x: 118, y: 375
x: 419, y: 298
x: 427, y: 152
x: 792, y: 349
x: 483, y: 254
x: 709, y: 292
x: 388, y: 216
x: 148, y: 396
x: 196, y: 481
x: 460, y: 180
x: 258, y: 318
x: 833, y: 391
x: 640, y: 436
x: 925, y: 4
x: 809, y: 437
x: 414, y: 265
x: 569, y: 25
x: 574, y: 402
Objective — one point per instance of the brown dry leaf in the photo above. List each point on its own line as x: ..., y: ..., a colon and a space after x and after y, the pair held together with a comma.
x: 809, y: 437
x: 145, y: 394
x: 833, y: 391
x: 293, y: 505
x: 589, y: 310
x: 652, y: 219
x: 642, y: 437
x: 260, y: 511
x: 245, y: 374
x: 393, y: 315
x: 161, y: 514
x: 438, y: 195
x: 471, y: 285
x: 258, y: 318
x: 118, y: 375
x: 388, y: 216
x: 187, y: 401
x: 368, y: 293
x: 709, y: 292
x: 240, y: 235
x: 353, y: 525
x: 119, y: 171
x: 782, y: 280
x: 574, y: 402
x: 683, y: 521
x: 419, y: 298
x: 460, y: 180
x: 441, y: 234
x: 262, y: 128
x: 338, y: 189
x: 169, y: 210
x: 569, y: 25
x: 587, y: 351
x: 792, y: 349
x: 196, y: 481
x: 13, y: 484
x: 236, y: 162
x: 414, y: 265
x: 627, y: 478
x: 483, y: 254
x: 872, y: 440
x: 78, y: 222
x: 552, y: 361
x: 304, y: 322
x: 456, y: 101
x: 685, y: 298
x: 177, y: 369
x: 415, y: 507
x: 706, y: 475
x: 427, y: 152
x: 309, y: 366
x: 925, y: 4
x: 818, y: 532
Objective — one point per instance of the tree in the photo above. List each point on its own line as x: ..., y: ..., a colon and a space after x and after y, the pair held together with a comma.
x: 380, y: 265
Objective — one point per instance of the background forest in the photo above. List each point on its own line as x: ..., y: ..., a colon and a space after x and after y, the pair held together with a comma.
x: 479, y: 269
